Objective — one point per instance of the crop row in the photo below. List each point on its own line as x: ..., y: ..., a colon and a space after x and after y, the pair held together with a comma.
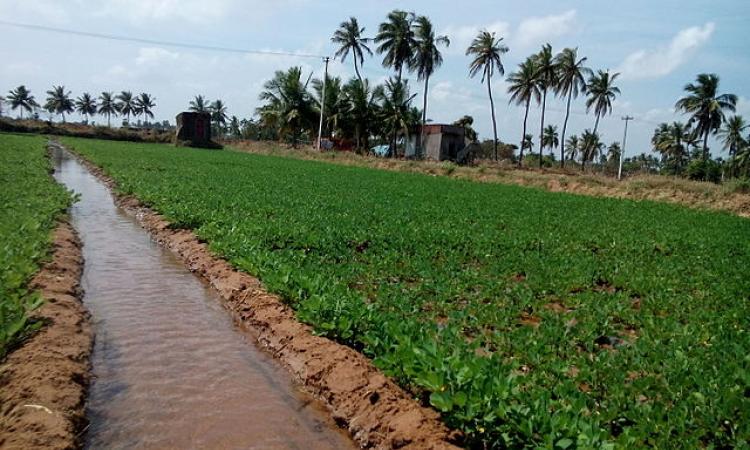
x: 527, y: 318
x: 30, y: 203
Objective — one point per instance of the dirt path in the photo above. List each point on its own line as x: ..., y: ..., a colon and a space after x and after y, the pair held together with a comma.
x: 43, y: 383
x: 375, y: 411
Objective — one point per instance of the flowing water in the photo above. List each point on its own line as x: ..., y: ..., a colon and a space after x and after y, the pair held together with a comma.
x: 171, y: 369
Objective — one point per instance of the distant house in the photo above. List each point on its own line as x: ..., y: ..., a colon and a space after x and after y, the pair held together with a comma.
x: 442, y: 142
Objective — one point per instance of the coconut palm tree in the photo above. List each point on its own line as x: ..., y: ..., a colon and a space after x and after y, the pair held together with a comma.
x: 672, y: 141
x: 218, y: 114
x: 427, y: 59
x: 144, y: 103
x: 59, y: 102
x: 235, y: 129
x: 550, y: 138
x: 528, y: 143
x: 361, y: 108
x: 126, y: 105
x: 486, y: 51
x: 522, y: 88
x: 613, y: 152
x: 349, y: 39
x: 396, y: 41
x: 601, y: 93
x: 288, y: 106
x: 571, y: 82
x: 395, y: 112
x: 571, y: 148
x: 199, y: 104
x: 706, y: 106
x: 108, y: 106
x: 86, y: 106
x: 466, y: 123
x: 590, y: 147
x: 2, y: 106
x: 546, y: 78
x: 740, y: 164
x: 731, y: 134
x: 21, y: 98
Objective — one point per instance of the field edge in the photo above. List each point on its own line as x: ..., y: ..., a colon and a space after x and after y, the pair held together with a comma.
x: 43, y: 383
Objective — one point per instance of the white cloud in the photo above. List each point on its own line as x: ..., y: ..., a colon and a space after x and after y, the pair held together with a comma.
x: 154, y: 56
x: 536, y: 31
x: 664, y: 60
x: 449, y: 101
x: 49, y: 10
x: 531, y: 32
x: 442, y: 91
x: 462, y: 35
x: 193, y: 11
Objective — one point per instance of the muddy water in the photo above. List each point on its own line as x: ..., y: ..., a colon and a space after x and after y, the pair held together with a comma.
x: 171, y: 370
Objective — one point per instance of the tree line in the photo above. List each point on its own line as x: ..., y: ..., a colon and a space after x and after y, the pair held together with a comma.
x: 407, y: 41
x: 60, y: 102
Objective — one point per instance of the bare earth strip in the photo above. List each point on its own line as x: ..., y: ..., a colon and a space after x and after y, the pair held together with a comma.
x: 376, y: 412
x: 43, y: 383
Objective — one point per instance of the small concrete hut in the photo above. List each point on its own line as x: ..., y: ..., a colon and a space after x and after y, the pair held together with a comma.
x: 441, y: 142
x: 194, y: 130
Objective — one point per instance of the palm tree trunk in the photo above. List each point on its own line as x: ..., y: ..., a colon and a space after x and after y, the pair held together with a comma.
x: 394, y: 136
x: 541, y: 131
x: 596, y: 124
x: 705, y: 146
x: 356, y: 70
x: 424, y: 118
x: 109, y: 124
x: 523, y: 136
x: 494, y: 121
x: 565, y: 127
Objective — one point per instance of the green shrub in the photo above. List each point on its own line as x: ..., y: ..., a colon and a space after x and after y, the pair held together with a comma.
x: 700, y: 170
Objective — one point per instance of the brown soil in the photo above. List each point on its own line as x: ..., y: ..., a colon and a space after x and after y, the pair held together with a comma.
x: 43, y: 383
x: 662, y: 188
x: 376, y: 412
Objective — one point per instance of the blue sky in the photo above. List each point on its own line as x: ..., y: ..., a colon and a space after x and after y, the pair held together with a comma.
x: 658, y: 46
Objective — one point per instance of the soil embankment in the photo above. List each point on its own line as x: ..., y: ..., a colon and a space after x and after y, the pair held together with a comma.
x: 375, y: 411
x: 43, y: 383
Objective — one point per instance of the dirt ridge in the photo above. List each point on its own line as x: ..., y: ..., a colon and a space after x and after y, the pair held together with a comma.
x: 376, y: 412
x: 43, y: 383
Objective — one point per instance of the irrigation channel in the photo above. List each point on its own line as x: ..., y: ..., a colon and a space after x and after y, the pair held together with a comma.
x: 171, y: 369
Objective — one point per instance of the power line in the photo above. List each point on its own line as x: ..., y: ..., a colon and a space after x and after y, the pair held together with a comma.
x: 112, y: 37
x: 119, y: 38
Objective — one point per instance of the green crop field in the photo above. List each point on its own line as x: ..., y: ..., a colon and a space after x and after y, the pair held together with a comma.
x: 528, y: 318
x: 30, y: 202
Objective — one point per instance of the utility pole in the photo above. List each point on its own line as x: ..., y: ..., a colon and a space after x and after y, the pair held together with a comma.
x: 323, y: 102
x: 622, y: 150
